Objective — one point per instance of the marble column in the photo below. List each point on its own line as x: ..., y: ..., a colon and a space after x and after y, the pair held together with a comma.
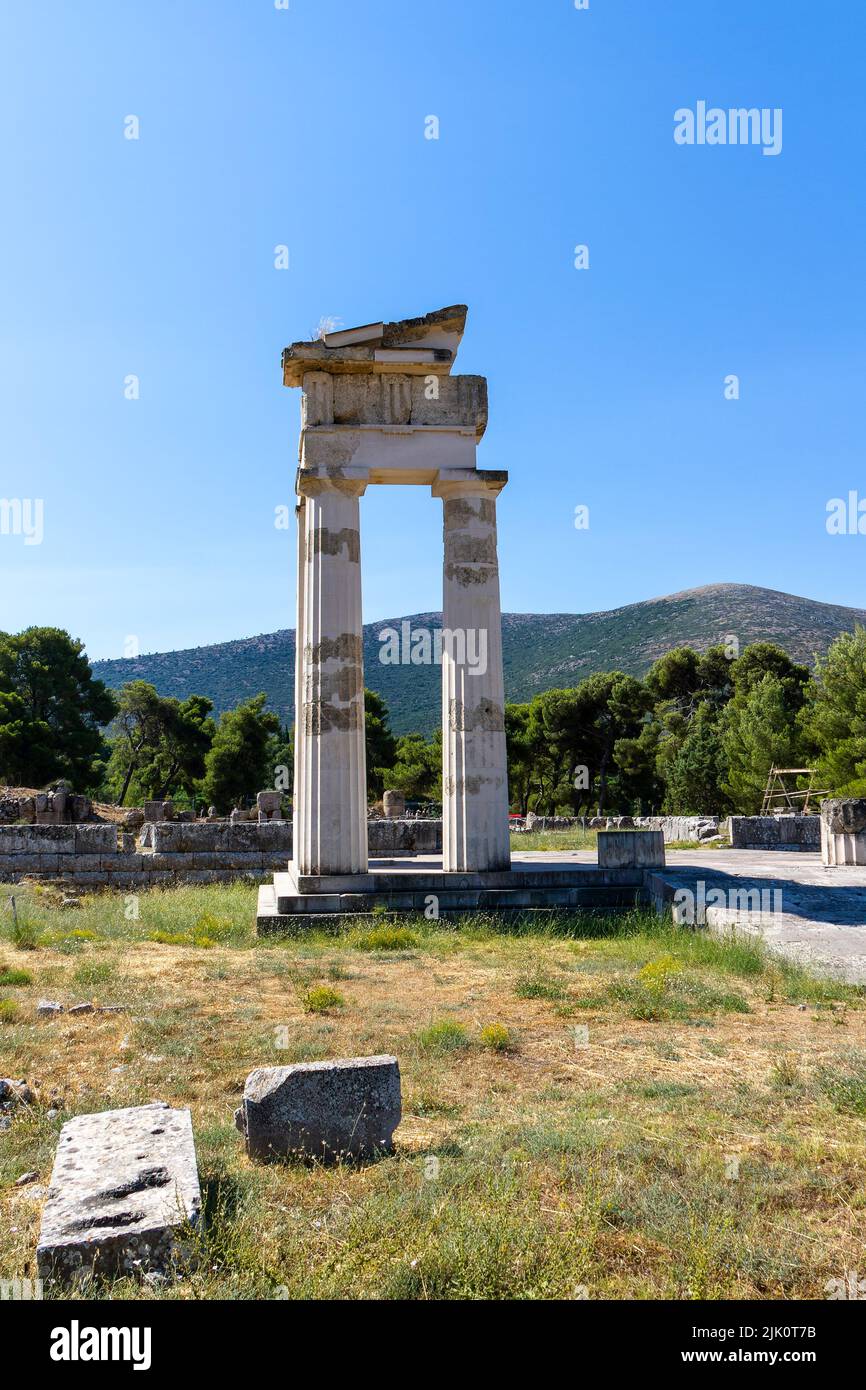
x: 475, y: 835
x: 330, y: 818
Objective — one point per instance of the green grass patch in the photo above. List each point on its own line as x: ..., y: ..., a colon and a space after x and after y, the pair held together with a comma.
x: 540, y: 986
x: 844, y: 1083
x: 11, y: 977
x: 388, y: 937
x: 446, y: 1035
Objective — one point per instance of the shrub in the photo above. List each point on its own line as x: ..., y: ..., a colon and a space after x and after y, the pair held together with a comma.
x: 786, y: 1074
x: 25, y: 929
x: 94, y: 972
x: 178, y: 938
x: 656, y: 974
x: 8, y: 1011
x: 321, y: 998
x: 497, y: 1037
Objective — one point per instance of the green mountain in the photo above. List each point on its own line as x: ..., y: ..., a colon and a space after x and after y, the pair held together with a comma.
x: 540, y: 650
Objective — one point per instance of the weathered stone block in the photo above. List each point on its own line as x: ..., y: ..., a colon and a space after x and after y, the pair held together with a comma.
x: 182, y: 837
x: 387, y: 837
x: 843, y: 831
x: 25, y: 863
x: 631, y: 849
x: 37, y: 839
x: 327, y: 1111
x: 794, y: 832
x: 844, y: 815
x: 394, y: 804
x: 95, y: 839
x: 87, y: 862
x: 124, y: 1193
x: 270, y: 806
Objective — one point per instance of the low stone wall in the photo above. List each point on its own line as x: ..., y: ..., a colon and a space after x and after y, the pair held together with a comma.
x: 796, y: 833
x: 672, y: 827
x: 394, y: 838
x: 97, y: 855
x: 219, y: 837
x: 180, y: 851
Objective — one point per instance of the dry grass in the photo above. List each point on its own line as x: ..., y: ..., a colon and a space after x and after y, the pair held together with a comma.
x: 596, y: 1150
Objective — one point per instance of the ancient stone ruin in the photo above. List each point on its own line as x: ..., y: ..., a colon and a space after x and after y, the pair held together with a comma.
x: 843, y: 831
x: 324, y: 1111
x: 124, y: 1195
x: 380, y: 406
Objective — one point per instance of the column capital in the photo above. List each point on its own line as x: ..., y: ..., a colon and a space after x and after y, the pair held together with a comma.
x: 314, y: 482
x: 484, y: 482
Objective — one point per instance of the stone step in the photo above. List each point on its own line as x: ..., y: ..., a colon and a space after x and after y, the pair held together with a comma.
x: 386, y: 888
x: 277, y: 913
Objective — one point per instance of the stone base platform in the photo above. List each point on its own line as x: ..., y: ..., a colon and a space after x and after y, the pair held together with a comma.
x: 291, y: 904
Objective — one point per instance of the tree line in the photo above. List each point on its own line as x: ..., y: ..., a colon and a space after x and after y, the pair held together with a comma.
x: 697, y: 735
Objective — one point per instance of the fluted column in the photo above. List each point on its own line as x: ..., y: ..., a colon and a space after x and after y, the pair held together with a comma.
x: 475, y: 834
x: 298, y: 782
x: 330, y: 818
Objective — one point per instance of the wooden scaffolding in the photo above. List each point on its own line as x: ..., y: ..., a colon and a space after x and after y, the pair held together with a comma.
x: 780, y: 796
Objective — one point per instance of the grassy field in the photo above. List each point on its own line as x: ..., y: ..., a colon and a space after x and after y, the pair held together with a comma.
x: 567, y: 840
x: 606, y: 1109
x: 554, y: 839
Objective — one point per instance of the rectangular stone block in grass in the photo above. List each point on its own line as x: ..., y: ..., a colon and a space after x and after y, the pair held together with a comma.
x: 123, y: 1192
x: 326, y: 1111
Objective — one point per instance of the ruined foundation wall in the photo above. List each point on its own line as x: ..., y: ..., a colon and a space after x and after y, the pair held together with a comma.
x: 179, y: 851
x: 796, y: 833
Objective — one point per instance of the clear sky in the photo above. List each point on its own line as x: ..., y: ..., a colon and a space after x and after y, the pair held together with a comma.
x: 305, y: 126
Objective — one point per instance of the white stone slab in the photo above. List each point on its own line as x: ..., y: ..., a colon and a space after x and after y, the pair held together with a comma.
x: 124, y: 1192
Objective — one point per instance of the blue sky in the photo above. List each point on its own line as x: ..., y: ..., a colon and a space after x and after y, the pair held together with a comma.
x: 305, y: 127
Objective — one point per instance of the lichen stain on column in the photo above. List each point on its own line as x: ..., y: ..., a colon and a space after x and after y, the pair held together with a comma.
x: 327, y: 542
x: 486, y: 717
x: 347, y: 647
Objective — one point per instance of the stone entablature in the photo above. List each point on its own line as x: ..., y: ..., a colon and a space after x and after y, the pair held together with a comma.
x: 394, y: 400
